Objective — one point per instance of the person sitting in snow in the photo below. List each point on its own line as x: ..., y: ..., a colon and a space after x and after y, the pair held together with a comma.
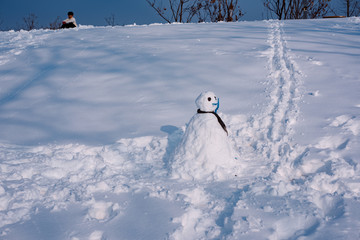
x: 70, y: 22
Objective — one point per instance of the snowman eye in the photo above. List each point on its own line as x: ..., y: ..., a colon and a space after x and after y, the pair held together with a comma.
x: 209, y: 99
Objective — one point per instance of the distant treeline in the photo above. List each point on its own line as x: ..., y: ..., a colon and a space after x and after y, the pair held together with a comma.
x: 185, y: 11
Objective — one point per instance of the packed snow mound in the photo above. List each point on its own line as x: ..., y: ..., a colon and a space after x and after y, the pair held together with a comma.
x: 91, y: 119
x: 205, y: 151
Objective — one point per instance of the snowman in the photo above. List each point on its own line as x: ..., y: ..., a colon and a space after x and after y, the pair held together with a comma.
x: 205, y: 152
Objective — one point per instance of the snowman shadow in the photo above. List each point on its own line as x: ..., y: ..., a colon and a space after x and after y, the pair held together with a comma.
x: 175, y: 135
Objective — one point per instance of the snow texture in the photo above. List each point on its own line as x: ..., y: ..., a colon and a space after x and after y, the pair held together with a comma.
x: 93, y: 141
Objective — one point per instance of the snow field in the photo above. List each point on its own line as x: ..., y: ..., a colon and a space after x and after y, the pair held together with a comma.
x: 296, y: 130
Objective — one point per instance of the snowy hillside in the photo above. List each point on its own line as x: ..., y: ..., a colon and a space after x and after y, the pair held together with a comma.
x: 90, y: 119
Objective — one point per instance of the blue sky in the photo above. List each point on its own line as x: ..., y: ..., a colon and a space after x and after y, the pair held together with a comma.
x: 93, y: 12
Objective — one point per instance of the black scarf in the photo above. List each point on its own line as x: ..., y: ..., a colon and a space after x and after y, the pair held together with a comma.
x: 218, y: 118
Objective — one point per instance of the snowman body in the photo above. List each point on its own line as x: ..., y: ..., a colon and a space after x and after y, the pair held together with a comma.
x: 205, y: 152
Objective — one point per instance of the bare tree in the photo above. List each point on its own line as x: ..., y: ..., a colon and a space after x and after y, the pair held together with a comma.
x: 186, y: 10
x: 56, y: 24
x: 349, y: 8
x: 316, y: 9
x: 110, y: 20
x: 222, y: 10
x: 175, y: 10
x: 353, y: 8
x: 278, y: 7
x: 30, y: 21
x: 296, y: 9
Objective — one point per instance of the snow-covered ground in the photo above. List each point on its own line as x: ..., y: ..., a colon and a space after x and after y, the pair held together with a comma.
x: 90, y: 119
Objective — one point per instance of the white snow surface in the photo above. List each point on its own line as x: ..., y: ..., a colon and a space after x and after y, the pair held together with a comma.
x: 90, y: 119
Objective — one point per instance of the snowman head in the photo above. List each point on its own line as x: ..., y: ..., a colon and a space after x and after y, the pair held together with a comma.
x: 207, y: 102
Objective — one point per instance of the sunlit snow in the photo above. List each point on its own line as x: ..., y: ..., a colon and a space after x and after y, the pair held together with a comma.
x: 91, y: 117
